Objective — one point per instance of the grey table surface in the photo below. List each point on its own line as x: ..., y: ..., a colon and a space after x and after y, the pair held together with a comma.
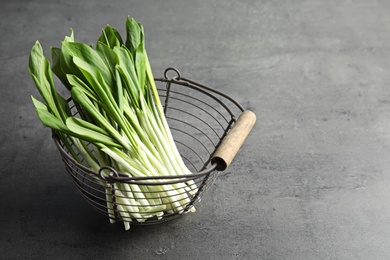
x: 312, y: 181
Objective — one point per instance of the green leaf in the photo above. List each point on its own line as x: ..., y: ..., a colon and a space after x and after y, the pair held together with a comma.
x: 56, y: 66
x: 108, y: 56
x: 133, y: 35
x: 71, y: 50
x: 38, y: 104
x: 119, y: 91
x: 132, y: 91
x: 51, y: 121
x: 111, y: 37
x: 40, y: 71
x: 62, y: 106
x: 47, y: 120
x: 37, y: 67
x: 67, y: 66
x: 140, y: 65
x: 71, y: 37
x: 82, y: 99
x: 128, y: 73
x: 90, y: 132
x: 86, y: 124
x: 96, y: 81
x: 74, y: 81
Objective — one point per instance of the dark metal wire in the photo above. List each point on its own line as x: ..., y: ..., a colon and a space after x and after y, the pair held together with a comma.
x: 194, y: 111
x: 208, y: 106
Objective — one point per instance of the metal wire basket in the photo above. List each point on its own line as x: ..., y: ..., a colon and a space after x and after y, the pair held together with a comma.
x: 208, y: 128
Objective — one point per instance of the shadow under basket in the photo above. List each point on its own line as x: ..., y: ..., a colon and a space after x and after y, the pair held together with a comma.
x: 208, y: 128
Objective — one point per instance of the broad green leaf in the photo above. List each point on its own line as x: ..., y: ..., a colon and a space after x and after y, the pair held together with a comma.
x: 82, y: 99
x: 102, y: 90
x: 126, y: 60
x: 51, y: 121
x: 56, y: 66
x: 133, y: 35
x: 90, y: 132
x: 61, y: 105
x: 140, y: 65
x: 132, y: 91
x: 119, y: 91
x: 74, y: 81
x: 67, y: 66
x: 71, y: 50
x: 38, y: 104
x: 108, y: 56
x: 37, y: 67
x: 128, y: 73
x: 86, y: 124
x: 56, y: 54
x: 71, y: 37
x: 111, y: 37
x: 40, y: 71
x: 98, y: 84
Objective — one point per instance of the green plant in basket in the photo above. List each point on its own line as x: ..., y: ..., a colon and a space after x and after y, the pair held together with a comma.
x: 119, y: 114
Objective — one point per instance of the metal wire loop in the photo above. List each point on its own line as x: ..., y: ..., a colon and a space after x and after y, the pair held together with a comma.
x: 113, y: 173
x: 178, y: 77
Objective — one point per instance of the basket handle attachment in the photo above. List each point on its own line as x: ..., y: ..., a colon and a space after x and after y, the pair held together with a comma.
x: 230, y: 145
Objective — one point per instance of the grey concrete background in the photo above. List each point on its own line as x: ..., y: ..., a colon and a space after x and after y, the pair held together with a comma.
x: 312, y: 180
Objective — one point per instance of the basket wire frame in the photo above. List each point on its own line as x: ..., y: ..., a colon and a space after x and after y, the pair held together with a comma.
x: 199, y: 118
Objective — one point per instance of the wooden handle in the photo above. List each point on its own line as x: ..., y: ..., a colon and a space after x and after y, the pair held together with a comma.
x: 230, y: 145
